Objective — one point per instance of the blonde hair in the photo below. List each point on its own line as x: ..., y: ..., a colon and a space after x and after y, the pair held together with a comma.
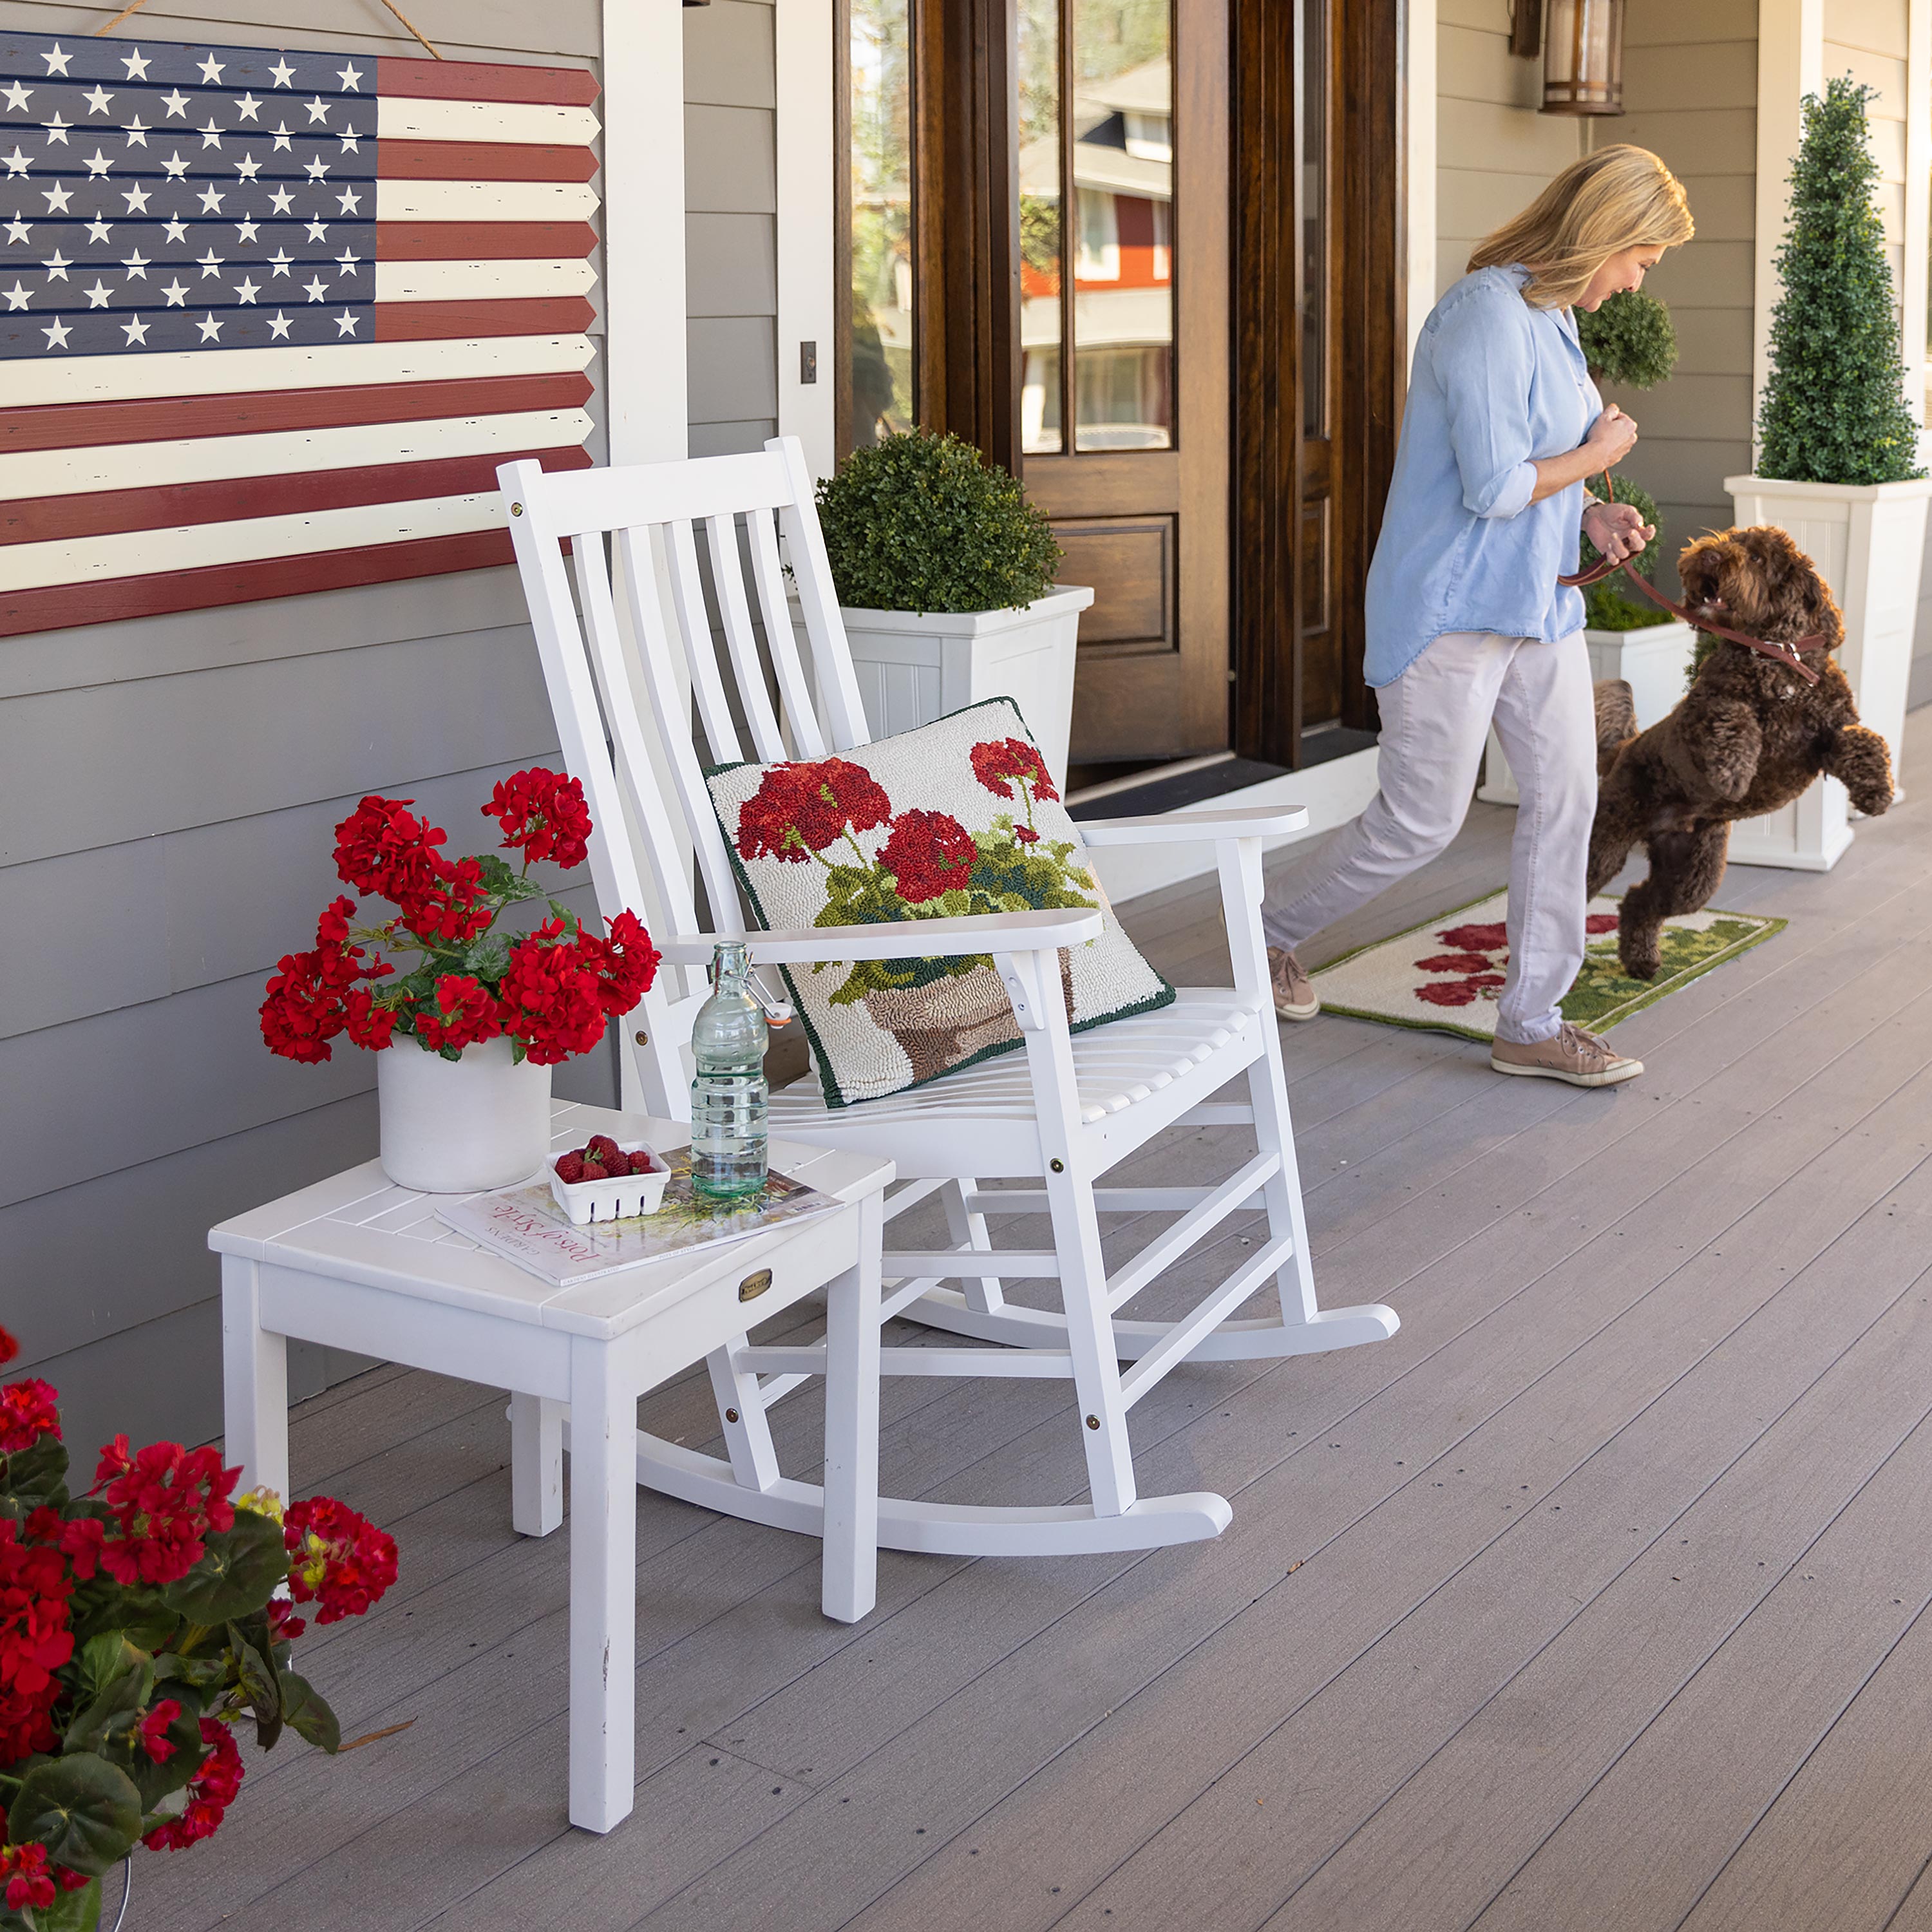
x: 1617, y: 198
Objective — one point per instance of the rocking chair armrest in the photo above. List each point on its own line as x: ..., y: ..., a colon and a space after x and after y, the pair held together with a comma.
x: 1174, y: 828
x: 898, y: 939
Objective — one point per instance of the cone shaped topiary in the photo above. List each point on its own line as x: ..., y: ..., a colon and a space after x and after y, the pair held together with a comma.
x: 1834, y: 408
x: 920, y: 522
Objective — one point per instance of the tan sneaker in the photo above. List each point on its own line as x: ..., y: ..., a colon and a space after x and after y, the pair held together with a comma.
x: 1294, y: 995
x: 1570, y: 1055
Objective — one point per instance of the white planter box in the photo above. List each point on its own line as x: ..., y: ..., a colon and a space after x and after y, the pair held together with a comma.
x: 1868, y: 541
x: 1654, y: 661
x: 912, y: 669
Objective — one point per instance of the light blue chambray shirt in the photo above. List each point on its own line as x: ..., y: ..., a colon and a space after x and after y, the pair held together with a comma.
x: 1496, y: 385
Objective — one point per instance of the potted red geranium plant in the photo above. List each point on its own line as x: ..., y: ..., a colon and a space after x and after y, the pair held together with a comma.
x: 140, y: 1623
x: 491, y: 1013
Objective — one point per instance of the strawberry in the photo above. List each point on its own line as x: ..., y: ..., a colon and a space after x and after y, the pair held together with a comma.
x: 619, y: 1163
x: 570, y: 1168
x: 596, y: 1170
x: 600, y: 1147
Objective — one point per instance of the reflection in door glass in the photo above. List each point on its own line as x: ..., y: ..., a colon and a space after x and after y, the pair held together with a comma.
x: 1040, y: 229
x: 1315, y: 218
x: 1122, y: 124
x: 882, y: 219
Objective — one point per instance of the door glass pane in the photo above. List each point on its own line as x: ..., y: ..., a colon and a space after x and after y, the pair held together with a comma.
x: 1122, y: 117
x: 1315, y: 218
x: 1040, y: 226
x: 882, y: 219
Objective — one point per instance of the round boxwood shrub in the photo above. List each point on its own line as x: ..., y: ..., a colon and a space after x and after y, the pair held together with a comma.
x: 920, y: 522
x: 1629, y: 341
x: 1610, y: 605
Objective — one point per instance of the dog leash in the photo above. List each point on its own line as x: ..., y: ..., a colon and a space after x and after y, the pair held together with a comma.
x: 1786, y: 654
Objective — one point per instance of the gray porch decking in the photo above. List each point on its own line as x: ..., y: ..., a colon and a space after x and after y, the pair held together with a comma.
x: 1593, y: 1598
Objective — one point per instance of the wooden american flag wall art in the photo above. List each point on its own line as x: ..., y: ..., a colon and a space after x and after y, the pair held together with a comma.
x: 270, y: 320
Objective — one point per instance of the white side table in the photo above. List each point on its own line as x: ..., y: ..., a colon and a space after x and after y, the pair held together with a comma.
x: 356, y: 1262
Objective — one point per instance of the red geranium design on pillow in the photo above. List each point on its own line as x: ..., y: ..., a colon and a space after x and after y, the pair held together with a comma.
x: 997, y: 759
x: 799, y: 810
x: 929, y: 854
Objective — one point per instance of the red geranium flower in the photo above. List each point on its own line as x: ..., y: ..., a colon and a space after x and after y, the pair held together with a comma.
x: 551, y: 997
x: 383, y: 847
x: 449, y: 903
x: 1476, y: 938
x: 9, y: 1348
x: 342, y: 1560
x: 929, y: 854
x: 165, y: 1500
x: 626, y: 963
x: 154, y: 1730
x: 366, y: 1024
x: 997, y: 759
x: 27, y: 1412
x: 800, y: 809
x: 543, y: 812
x: 30, y: 1884
x: 306, y: 1005
x: 459, y: 1012
x: 34, y: 1642
x: 210, y: 1792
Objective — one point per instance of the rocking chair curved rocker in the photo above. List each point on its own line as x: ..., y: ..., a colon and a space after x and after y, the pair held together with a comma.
x: 1061, y: 1115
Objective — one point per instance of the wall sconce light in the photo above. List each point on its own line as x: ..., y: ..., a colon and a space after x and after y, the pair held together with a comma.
x: 1583, y: 57
x: 1525, y: 33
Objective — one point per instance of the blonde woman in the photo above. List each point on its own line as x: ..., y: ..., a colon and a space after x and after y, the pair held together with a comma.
x: 1466, y: 622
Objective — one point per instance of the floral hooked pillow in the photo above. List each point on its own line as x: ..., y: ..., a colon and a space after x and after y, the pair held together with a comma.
x: 959, y: 817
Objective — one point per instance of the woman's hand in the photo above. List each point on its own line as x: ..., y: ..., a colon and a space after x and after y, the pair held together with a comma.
x: 1616, y: 529
x: 1611, y: 438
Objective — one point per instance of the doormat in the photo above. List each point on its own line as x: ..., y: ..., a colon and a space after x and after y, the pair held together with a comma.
x: 1444, y: 975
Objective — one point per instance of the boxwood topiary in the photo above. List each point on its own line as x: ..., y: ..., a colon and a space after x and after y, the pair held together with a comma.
x: 921, y: 522
x: 1629, y: 341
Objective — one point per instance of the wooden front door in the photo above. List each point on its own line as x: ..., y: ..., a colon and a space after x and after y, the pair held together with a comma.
x: 1123, y: 165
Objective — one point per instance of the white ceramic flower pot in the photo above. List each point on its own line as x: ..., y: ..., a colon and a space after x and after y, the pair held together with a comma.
x: 912, y: 670
x: 1868, y: 541
x: 1653, y: 661
x: 458, y: 1126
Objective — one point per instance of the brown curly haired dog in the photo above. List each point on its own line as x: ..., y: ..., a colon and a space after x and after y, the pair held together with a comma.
x: 1749, y: 736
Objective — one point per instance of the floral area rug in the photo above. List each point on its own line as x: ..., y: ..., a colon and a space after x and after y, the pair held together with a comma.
x: 1445, y: 975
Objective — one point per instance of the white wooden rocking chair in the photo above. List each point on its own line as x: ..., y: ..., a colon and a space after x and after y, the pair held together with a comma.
x: 1063, y: 1113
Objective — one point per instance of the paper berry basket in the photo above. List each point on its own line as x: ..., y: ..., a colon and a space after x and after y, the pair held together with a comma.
x: 616, y: 1197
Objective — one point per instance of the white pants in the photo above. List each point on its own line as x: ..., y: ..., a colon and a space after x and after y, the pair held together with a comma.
x: 1434, y: 718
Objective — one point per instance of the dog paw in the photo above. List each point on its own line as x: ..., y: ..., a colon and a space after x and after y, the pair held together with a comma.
x: 1641, y: 963
x: 1873, y: 805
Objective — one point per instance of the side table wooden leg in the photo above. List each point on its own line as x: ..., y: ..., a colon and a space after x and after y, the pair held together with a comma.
x: 603, y: 1587
x: 851, y: 1561
x: 536, y: 1464
x: 254, y: 1382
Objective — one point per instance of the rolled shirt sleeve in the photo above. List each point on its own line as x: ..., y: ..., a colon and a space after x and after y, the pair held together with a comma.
x: 1485, y: 361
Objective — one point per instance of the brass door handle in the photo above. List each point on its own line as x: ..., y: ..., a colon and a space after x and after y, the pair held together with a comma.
x: 754, y: 1286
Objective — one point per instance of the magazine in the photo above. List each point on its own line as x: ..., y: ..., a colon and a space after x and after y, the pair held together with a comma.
x: 525, y: 1225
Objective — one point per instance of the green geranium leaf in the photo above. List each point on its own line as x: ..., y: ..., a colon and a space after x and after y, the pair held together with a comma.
x: 84, y: 1810
x: 35, y: 1477
x: 308, y: 1713
x: 197, y: 1673
x: 237, y: 1574
x: 103, y: 1659
x: 106, y: 1724
x: 70, y: 1911
x: 157, y: 1779
x: 259, y: 1686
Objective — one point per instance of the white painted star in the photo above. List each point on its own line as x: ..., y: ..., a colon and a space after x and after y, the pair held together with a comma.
x: 282, y: 139
x: 98, y: 230
x: 352, y: 142
x: 281, y: 201
x: 210, y: 199
x: 135, y: 332
x: 209, y: 264
x: 211, y: 71
x: 211, y: 135
x: 175, y: 167
x: 346, y: 262
x: 98, y: 164
x: 17, y: 230
x: 349, y: 201
x: 282, y: 73
x: 318, y: 231
x: 57, y: 130
x: 136, y: 64
x: 316, y: 289
x: 345, y: 323
x: 247, y: 290
x: 137, y: 131
x: 137, y: 198
x: 175, y: 229
x: 97, y: 296
x: 278, y: 326
x: 246, y: 231
x: 278, y: 262
x: 98, y: 98
x: 248, y: 168
x: 57, y: 266
x: 211, y: 329
x: 316, y: 170
x: 318, y: 110
x: 18, y: 296
x: 18, y: 162
x: 176, y: 103
x: 16, y: 95
x: 351, y: 78
x: 247, y: 107
x: 176, y: 293
x: 57, y: 198
x: 136, y: 264
x: 57, y: 61
x: 57, y: 335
